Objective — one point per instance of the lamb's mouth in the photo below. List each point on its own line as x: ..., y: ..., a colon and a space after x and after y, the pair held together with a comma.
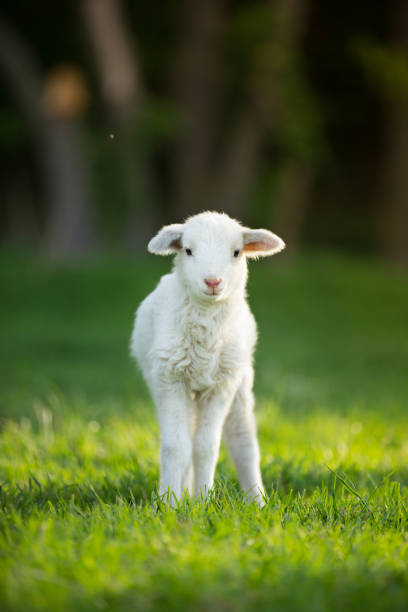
x: 212, y: 294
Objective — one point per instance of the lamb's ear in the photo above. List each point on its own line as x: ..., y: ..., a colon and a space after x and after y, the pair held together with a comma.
x: 167, y: 241
x: 261, y: 243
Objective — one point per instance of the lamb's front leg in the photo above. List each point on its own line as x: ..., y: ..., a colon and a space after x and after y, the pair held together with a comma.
x: 211, y: 415
x: 174, y: 415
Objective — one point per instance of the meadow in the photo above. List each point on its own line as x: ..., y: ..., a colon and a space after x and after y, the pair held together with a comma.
x: 81, y: 526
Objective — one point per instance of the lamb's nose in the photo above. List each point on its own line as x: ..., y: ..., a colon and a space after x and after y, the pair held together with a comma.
x: 212, y: 282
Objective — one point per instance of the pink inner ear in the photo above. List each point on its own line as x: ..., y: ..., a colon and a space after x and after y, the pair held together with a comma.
x: 260, y: 245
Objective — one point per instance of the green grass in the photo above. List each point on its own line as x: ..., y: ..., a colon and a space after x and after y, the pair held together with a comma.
x: 81, y: 527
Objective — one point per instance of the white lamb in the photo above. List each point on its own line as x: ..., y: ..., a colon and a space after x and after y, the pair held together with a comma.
x: 194, y: 338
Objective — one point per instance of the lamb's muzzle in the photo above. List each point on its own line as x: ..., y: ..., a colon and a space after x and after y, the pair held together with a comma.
x: 194, y: 338
x: 212, y: 282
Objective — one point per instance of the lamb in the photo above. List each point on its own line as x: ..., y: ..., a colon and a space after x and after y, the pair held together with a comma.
x: 194, y: 338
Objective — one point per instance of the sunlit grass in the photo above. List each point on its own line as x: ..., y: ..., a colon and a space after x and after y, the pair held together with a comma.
x: 81, y: 526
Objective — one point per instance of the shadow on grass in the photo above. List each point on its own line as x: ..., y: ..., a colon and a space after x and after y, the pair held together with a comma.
x: 283, y: 482
x: 131, y: 488
x: 286, y: 476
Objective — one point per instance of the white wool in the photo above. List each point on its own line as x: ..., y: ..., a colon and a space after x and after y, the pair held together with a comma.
x: 194, y: 338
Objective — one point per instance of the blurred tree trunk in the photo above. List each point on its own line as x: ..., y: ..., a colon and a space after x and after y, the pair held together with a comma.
x: 121, y: 82
x: 58, y: 139
x: 238, y: 168
x: 70, y: 221
x: 195, y: 90
x: 292, y: 202
x: 395, y: 174
x: 295, y: 180
x: 273, y: 65
x: 115, y: 57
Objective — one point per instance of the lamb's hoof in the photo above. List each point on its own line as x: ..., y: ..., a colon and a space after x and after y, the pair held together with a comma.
x: 258, y: 496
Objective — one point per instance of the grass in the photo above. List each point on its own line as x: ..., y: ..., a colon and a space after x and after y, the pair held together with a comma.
x: 81, y: 527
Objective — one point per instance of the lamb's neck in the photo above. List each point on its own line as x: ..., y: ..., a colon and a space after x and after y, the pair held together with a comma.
x: 220, y: 310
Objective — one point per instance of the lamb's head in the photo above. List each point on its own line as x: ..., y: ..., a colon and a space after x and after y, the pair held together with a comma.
x: 211, y: 251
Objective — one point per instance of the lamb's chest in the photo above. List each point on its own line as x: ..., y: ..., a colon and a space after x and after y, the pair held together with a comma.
x: 199, y: 357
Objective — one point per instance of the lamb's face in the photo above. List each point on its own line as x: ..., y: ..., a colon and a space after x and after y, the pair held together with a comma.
x: 211, y: 261
x: 211, y: 253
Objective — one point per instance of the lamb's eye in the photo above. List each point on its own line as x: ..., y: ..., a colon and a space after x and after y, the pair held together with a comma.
x: 188, y: 251
x: 236, y: 253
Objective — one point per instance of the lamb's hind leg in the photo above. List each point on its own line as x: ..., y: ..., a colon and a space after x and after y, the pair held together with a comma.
x: 240, y: 436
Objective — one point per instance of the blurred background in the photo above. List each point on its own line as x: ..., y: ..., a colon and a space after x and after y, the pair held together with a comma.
x: 119, y: 116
